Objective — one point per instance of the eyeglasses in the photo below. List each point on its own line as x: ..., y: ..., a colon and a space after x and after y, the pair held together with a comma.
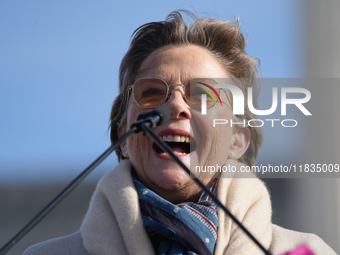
x: 152, y: 92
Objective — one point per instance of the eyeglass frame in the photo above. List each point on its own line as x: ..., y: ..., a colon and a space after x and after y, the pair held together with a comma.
x: 168, y: 95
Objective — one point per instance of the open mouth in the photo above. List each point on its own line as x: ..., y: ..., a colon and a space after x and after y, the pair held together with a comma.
x: 180, y: 144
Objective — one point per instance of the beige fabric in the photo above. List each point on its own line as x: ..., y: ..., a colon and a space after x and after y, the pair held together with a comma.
x: 67, y: 245
x: 285, y: 240
x: 248, y: 200
x: 113, y: 223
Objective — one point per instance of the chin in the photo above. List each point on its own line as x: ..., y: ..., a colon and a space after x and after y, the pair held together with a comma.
x: 172, y: 179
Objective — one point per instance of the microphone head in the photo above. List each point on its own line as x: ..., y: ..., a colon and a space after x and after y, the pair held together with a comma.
x: 164, y: 113
x: 144, y: 115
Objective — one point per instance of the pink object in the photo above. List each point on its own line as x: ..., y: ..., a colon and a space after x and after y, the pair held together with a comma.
x: 302, y: 250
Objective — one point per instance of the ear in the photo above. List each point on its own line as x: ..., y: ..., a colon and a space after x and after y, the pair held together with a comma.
x: 121, y: 130
x: 239, y: 143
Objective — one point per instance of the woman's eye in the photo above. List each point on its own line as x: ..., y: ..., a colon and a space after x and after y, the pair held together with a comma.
x: 151, y: 92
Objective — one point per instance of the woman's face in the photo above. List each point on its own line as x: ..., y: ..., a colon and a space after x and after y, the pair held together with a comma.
x: 177, y: 65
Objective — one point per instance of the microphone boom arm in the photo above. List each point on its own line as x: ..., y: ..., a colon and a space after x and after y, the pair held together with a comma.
x: 147, y: 119
x: 67, y: 190
x: 145, y: 122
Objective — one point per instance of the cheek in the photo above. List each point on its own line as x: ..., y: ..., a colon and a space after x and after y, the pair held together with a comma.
x: 134, y: 139
x: 213, y: 142
x: 224, y: 132
x: 132, y: 112
x: 205, y: 123
x: 136, y: 143
x: 138, y: 150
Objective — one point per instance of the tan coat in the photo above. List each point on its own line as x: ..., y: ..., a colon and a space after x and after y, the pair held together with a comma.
x: 113, y: 224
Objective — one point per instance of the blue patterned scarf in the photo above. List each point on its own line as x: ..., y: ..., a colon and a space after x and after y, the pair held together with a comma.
x: 187, y: 228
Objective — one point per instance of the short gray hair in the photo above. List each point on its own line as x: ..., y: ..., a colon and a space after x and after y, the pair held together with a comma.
x: 223, y: 39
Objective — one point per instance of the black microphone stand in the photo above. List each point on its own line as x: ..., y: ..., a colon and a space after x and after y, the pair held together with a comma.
x: 71, y: 186
x: 148, y: 119
x: 166, y: 148
x: 142, y: 124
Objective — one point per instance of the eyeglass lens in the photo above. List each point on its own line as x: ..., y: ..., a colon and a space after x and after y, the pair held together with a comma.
x: 153, y: 92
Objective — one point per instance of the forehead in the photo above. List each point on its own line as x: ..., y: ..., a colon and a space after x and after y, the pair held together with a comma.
x: 182, y: 63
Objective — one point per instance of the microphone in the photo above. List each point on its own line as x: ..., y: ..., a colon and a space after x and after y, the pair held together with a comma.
x: 157, y: 117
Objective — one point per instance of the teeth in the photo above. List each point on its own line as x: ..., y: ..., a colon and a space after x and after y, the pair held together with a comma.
x: 180, y: 153
x: 176, y: 138
x: 169, y: 138
x: 176, y: 153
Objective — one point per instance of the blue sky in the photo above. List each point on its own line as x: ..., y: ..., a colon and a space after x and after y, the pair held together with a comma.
x: 59, y: 64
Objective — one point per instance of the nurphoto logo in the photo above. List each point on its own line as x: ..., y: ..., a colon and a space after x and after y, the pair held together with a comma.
x: 238, y: 103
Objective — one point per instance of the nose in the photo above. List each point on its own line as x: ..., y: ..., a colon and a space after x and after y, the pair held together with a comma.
x: 177, y: 103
